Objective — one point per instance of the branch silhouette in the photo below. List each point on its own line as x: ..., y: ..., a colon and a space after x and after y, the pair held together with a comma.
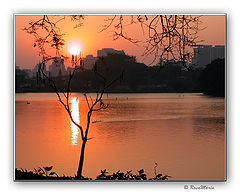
x: 46, y: 31
x: 168, y: 36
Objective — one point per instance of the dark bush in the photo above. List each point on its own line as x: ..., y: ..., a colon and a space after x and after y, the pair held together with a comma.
x: 43, y: 174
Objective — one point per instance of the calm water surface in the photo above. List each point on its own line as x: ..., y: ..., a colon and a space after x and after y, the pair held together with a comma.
x: 183, y: 133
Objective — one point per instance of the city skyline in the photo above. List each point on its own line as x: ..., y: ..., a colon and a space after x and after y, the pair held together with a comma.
x: 93, y: 40
x: 202, y: 56
x: 57, y: 66
x: 161, y: 122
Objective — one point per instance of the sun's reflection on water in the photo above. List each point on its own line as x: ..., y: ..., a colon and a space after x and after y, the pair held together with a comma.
x: 75, y: 115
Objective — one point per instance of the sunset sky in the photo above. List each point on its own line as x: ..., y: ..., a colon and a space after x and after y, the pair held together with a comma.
x: 26, y: 56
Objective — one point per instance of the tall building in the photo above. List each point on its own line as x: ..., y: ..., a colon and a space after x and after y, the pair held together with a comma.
x: 34, y: 71
x: 205, y: 54
x: 89, y: 62
x: 105, y: 51
x: 218, y: 52
x: 57, y: 67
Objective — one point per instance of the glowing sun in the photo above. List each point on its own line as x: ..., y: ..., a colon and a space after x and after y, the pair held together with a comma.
x: 74, y: 46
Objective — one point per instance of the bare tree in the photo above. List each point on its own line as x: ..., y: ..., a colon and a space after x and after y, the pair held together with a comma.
x: 167, y: 36
x: 46, y: 32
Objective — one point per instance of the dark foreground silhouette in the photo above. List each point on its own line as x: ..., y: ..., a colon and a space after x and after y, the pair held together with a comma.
x: 45, y: 173
x: 136, y: 78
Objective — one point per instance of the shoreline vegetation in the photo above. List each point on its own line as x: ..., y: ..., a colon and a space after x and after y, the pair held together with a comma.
x: 137, y: 78
x: 46, y: 173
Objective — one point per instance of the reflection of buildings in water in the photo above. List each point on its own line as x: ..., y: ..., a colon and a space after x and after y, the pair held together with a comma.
x: 75, y: 115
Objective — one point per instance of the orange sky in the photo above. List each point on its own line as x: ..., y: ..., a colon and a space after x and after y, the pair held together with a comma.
x: 26, y: 55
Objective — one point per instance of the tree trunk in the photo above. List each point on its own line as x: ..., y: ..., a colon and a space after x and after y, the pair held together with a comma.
x: 80, y: 166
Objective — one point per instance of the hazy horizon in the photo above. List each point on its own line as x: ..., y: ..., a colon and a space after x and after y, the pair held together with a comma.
x: 26, y: 56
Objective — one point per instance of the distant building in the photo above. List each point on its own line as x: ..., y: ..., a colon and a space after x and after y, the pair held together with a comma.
x: 163, y: 62
x: 69, y: 70
x: 218, y: 52
x: 29, y: 72
x: 205, y: 54
x: 105, y: 51
x: 57, y: 67
x: 32, y: 73
x: 89, y: 62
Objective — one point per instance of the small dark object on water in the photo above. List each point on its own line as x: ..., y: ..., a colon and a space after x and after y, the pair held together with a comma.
x: 28, y: 102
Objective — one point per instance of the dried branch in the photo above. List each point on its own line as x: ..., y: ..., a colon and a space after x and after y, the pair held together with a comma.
x: 46, y: 32
x: 168, y: 36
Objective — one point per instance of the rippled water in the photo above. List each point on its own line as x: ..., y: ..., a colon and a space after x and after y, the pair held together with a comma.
x: 183, y: 133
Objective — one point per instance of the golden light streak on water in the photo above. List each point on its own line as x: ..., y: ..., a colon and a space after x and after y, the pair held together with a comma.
x: 75, y: 115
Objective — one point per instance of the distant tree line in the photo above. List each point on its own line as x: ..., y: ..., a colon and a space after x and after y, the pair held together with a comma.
x: 212, y: 79
x: 137, y: 78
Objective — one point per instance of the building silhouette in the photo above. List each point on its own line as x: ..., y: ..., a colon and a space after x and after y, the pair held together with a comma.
x: 32, y: 73
x: 205, y: 54
x: 57, y: 68
x: 105, y: 51
x: 89, y: 62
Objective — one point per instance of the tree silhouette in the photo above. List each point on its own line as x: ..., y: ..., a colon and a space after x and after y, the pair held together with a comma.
x: 47, y: 33
x: 167, y: 36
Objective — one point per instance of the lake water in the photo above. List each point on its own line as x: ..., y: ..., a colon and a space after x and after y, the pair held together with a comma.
x: 183, y: 133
